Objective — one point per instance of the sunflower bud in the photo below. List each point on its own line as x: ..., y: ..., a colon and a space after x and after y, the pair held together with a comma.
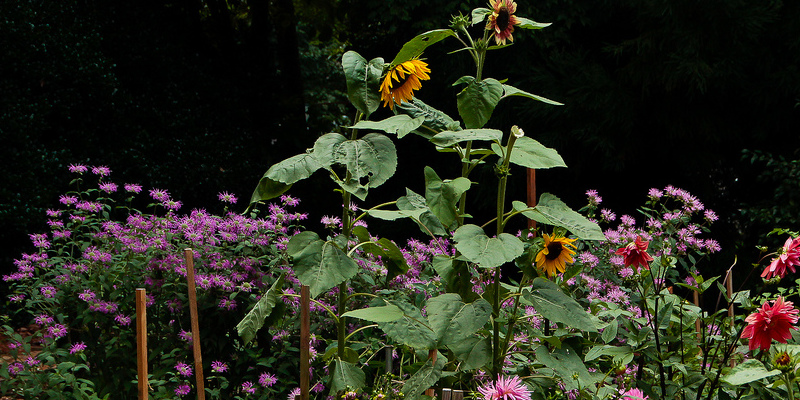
x: 782, y: 361
x: 460, y: 22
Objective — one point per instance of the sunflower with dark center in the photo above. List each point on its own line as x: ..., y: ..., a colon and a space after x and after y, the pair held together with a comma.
x: 408, y: 75
x: 555, y: 255
x: 782, y: 361
x: 502, y: 20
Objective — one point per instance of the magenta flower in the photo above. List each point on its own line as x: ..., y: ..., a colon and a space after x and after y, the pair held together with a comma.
x: 133, y: 188
x: 77, y: 347
x: 183, y: 369
x: 101, y: 170
x: 218, y: 367
x: 770, y: 322
x: 505, y: 389
x: 634, y: 394
x: 15, y: 368
x: 635, y: 253
x: 248, y: 387
x: 183, y: 390
x: 226, y: 197
x: 266, y: 379
x: 77, y: 168
x: 108, y: 187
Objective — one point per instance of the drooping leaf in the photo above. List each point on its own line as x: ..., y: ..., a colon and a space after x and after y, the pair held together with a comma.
x: 393, y: 259
x: 452, y: 320
x: 373, y: 157
x: 293, y: 169
x: 414, y: 47
x: 411, y: 330
x: 363, y: 79
x: 441, y: 197
x: 477, y: 102
x: 529, y: 153
x: 268, y: 189
x: 512, y: 91
x: 387, y: 313
x: 474, y: 352
x: 319, y: 264
x: 479, y: 15
x: 254, y: 320
x: 346, y: 375
x: 748, y: 371
x: 427, y: 221
x: 400, y: 125
x: 552, y: 211
x: 526, y: 23
x: 476, y: 246
x: 548, y: 300
x: 423, y: 379
x: 449, y: 138
x: 435, y: 120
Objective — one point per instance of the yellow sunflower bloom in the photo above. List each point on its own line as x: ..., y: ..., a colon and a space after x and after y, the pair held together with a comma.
x: 502, y: 20
x: 555, y: 255
x: 408, y: 76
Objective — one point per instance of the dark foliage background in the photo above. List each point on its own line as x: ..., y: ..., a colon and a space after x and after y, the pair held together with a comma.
x: 201, y: 96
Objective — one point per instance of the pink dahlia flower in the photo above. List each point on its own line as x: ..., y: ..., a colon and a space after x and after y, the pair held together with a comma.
x: 634, y: 394
x: 505, y: 389
x: 788, y: 257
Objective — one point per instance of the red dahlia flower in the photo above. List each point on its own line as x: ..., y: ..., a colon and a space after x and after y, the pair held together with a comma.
x: 635, y: 253
x: 770, y: 322
x: 787, y: 258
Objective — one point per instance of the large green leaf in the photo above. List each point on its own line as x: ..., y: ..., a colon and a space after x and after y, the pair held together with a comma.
x: 393, y: 259
x: 363, y: 79
x: 414, y: 47
x: 373, y: 157
x: 254, y: 320
x: 477, y: 102
x: 512, y: 91
x: 568, y: 365
x: 321, y: 265
x: 748, y: 371
x: 449, y: 138
x: 423, y: 379
x: 479, y: 14
x: 435, y: 120
x: 529, y: 153
x: 400, y: 125
x: 268, y: 189
x: 346, y: 375
x: 552, y: 211
x: 474, y: 352
x: 293, y: 169
x: 548, y: 300
x: 325, y: 146
x: 411, y: 330
x: 526, y: 23
x: 441, y: 197
x: 427, y: 221
x: 453, y: 320
x: 387, y: 313
x: 487, y: 252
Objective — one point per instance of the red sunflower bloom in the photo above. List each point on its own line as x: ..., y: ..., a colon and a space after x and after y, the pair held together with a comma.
x: 788, y: 257
x: 502, y: 20
x: 635, y: 253
x: 770, y: 322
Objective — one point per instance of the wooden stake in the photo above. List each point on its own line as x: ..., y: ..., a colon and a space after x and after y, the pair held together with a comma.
x: 432, y: 356
x: 141, y: 342
x: 729, y: 287
x: 698, y: 326
x: 531, y: 195
x: 198, y: 359
x: 305, y: 338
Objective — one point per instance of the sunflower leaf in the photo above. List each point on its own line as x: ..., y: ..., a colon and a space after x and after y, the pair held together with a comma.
x: 319, y: 264
x: 530, y: 153
x: 479, y: 14
x: 363, y: 79
x: 552, y: 211
x: 424, y: 378
x: 399, y: 124
x: 453, y: 321
x: 254, y: 320
x: 441, y: 197
x: 435, y: 120
x: 414, y: 47
x: 550, y: 301
x: 526, y: 23
x: 477, y: 102
x: 487, y: 252
x: 512, y: 91
x: 373, y: 157
x: 346, y: 375
x: 449, y: 138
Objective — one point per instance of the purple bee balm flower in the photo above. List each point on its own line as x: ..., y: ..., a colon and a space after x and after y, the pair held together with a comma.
x: 183, y: 390
x: 159, y: 194
x: 290, y: 201
x: 183, y: 369
x: 226, y: 197
x: 133, y: 188
x: 248, y: 387
x: 108, y: 187
x: 15, y: 368
x: 505, y: 389
x: 123, y: 319
x: 267, y: 380
x: 77, y: 347
x: 219, y: 367
x: 48, y: 291
x: 101, y: 170
x: 77, y: 168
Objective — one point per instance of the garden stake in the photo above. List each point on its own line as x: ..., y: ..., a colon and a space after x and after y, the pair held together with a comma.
x: 532, y: 197
x: 198, y: 359
x: 141, y: 341
x: 697, y: 324
x: 305, y: 337
x: 729, y: 287
x: 432, y: 357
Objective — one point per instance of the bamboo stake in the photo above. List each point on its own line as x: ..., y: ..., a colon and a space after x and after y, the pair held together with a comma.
x: 198, y: 359
x: 698, y: 326
x: 729, y: 287
x: 141, y: 342
x: 305, y: 338
x: 432, y: 356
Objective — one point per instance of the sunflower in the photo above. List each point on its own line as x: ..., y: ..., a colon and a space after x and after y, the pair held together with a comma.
x: 502, y: 20
x: 408, y: 75
x: 555, y: 255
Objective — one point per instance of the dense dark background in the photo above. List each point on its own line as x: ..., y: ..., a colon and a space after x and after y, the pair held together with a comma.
x: 199, y: 97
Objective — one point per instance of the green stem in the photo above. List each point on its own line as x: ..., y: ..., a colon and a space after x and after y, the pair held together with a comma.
x: 462, y: 202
